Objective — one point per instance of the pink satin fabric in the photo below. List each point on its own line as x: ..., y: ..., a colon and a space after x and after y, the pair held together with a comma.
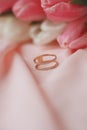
x: 43, y: 100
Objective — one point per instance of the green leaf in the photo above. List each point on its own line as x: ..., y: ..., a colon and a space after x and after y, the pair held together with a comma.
x: 79, y: 2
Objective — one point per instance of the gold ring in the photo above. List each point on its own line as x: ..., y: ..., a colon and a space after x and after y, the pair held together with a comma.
x: 44, y: 65
x: 39, y: 59
x: 40, y: 66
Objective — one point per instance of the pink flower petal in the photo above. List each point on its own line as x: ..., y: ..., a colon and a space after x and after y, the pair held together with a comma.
x: 72, y: 31
x: 6, y: 4
x: 29, y: 10
x: 63, y: 10
x: 79, y: 43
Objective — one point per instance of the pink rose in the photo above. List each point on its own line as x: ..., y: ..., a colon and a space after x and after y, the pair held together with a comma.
x: 63, y: 10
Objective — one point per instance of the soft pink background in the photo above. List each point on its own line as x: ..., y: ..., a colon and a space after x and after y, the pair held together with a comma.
x: 38, y: 100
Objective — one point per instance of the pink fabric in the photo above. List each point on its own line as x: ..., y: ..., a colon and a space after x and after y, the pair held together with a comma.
x: 43, y: 100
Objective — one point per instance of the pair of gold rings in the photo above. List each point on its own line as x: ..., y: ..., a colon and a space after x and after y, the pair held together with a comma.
x: 46, y: 62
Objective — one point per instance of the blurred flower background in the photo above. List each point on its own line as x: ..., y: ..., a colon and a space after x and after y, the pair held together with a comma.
x: 45, y: 21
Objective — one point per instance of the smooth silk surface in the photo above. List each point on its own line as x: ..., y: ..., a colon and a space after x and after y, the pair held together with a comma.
x: 31, y: 99
x: 43, y: 100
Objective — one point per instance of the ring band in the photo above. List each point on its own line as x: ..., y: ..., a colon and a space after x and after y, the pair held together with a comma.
x: 38, y: 67
x: 39, y: 59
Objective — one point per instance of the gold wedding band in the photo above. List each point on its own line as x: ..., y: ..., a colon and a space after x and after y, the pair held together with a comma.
x: 40, y: 67
x: 39, y: 61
